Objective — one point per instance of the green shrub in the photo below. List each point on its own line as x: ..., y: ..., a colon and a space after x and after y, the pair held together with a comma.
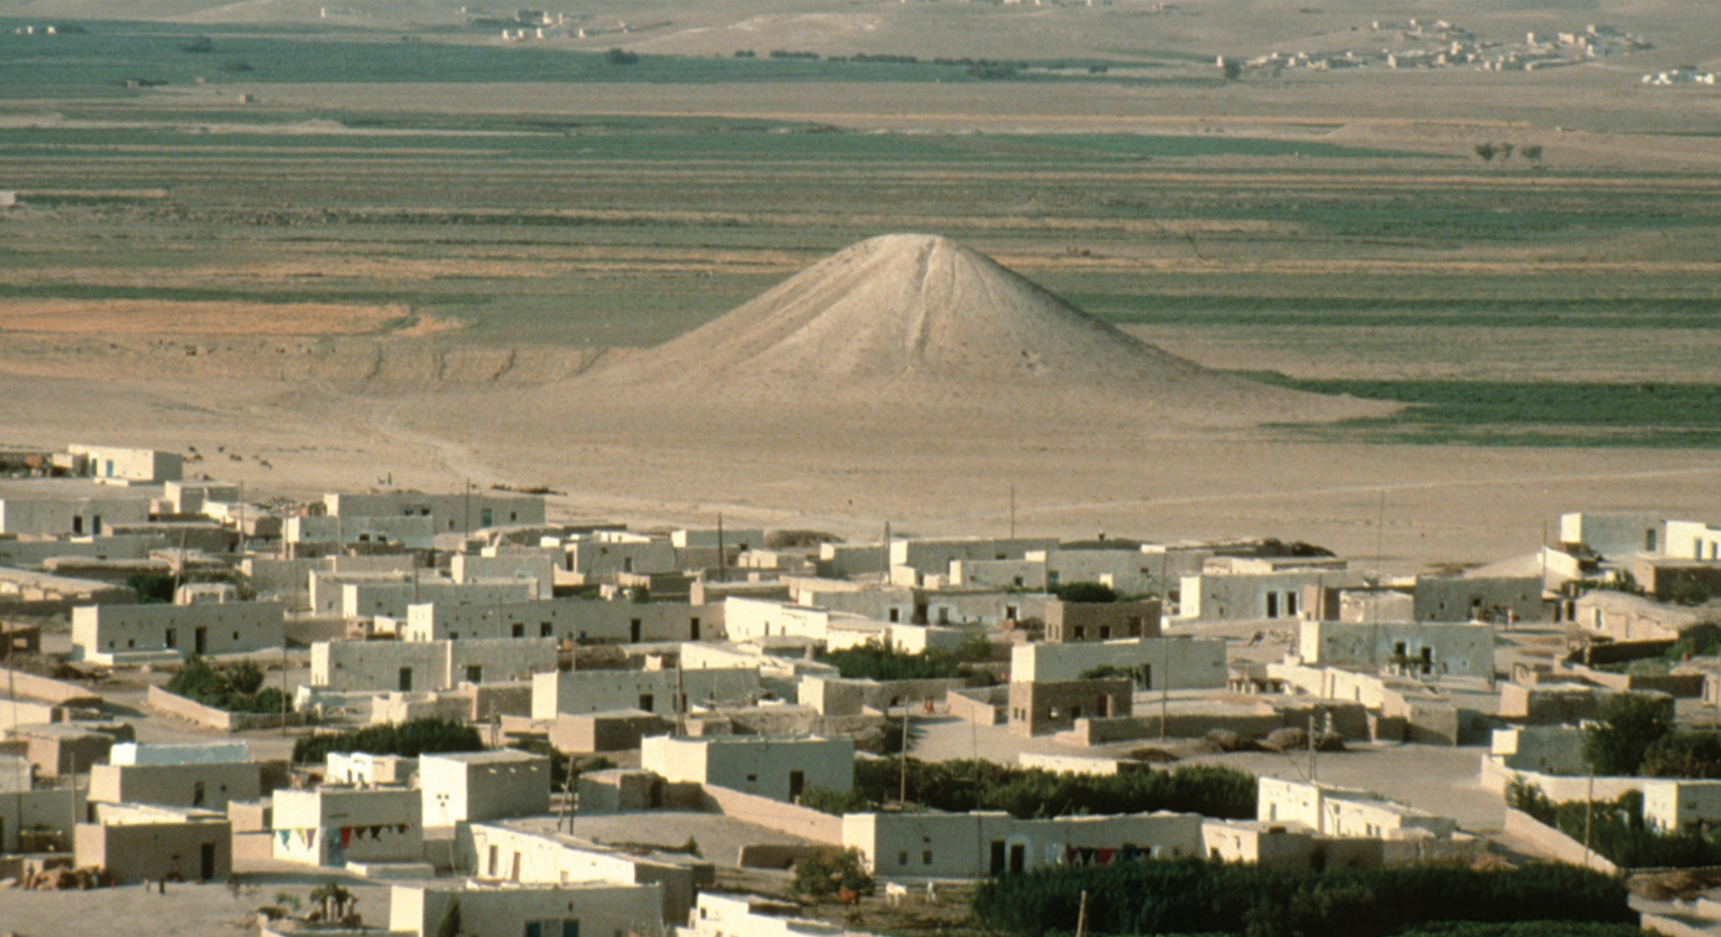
x: 875, y: 662
x: 1192, y: 896
x: 152, y: 588
x: 237, y: 688
x: 961, y: 786
x: 408, y: 739
x: 1628, y: 725
x: 1093, y: 592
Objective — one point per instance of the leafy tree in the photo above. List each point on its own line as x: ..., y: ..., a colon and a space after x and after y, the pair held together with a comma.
x: 1630, y: 723
x: 961, y: 786
x: 876, y: 662
x: 238, y: 688
x: 835, y: 802
x: 152, y: 588
x: 1195, y: 896
x: 821, y: 874
x: 409, y: 739
x: 1094, y: 592
x: 245, y: 677
x: 1684, y: 755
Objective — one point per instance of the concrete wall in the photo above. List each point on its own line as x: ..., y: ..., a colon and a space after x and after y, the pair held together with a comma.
x: 652, y: 691
x: 1625, y: 617
x: 447, y: 513
x: 768, y: 767
x: 998, y: 574
x: 411, y: 533
x: 1496, y: 599
x: 368, y: 599
x: 43, y: 517
x: 1157, y: 663
x: 1542, y: 749
x: 605, y: 732
x: 111, y: 463
x: 1495, y: 777
x: 1044, y: 706
x: 1692, y: 540
x: 433, y: 665
x: 496, y: 852
x: 134, y: 852
x: 30, y: 686
x: 1071, y: 622
x: 110, y: 631
x: 830, y: 696
x: 611, y: 556
x: 483, y: 786
x: 596, y: 910
x: 1254, y: 596
x: 842, y: 560
x: 618, y: 622
x: 209, y: 786
x: 987, y: 706
x: 1616, y: 536
x: 935, y: 556
x: 53, y: 808
x: 1678, y: 805
x: 774, y: 814
x: 335, y: 824
x: 1553, y: 844
x: 1127, y: 572
x: 1446, y: 649
x: 537, y: 566
x: 948, y: 845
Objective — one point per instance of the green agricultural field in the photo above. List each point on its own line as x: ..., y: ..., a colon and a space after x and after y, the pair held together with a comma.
x: 1353, y: 264
x: 1486, y: 413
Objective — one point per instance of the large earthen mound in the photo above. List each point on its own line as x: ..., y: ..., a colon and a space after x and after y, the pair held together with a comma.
x: 919, y: 320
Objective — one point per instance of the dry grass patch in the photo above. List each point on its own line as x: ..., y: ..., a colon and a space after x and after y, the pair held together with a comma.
x: 130, y: 317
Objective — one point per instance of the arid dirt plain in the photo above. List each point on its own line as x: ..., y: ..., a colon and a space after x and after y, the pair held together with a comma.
x: 380, y: 245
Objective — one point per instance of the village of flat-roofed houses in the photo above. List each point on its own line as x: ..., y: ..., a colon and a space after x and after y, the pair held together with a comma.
x: 573, y: 726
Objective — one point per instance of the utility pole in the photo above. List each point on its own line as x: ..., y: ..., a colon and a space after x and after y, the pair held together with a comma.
x: 902, y: 757
x: 1589, y: 814
x: 1314, y: 778
x: 884, y: 567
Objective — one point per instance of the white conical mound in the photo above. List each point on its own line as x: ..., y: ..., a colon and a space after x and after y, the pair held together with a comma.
x: 923, y: 320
